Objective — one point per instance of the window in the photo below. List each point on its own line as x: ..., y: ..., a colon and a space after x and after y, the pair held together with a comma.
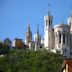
x: 40, y: 46
x: 59, y: 38
x: 63, y: 38
x: 49, y: 22
x: 64, y: 56
x: 65, y: 50
x: 71, y: 53
x: 67, y: 39
x: 70, y: 24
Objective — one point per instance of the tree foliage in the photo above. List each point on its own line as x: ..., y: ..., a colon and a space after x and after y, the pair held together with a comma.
x: 29, y: 61
x: 4, y: 48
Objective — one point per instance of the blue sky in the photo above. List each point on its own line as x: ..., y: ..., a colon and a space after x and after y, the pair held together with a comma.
x: 16, y: 14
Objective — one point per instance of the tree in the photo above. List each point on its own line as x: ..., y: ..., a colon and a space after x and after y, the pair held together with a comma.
x: 20, y: 60
x: 4, y: 48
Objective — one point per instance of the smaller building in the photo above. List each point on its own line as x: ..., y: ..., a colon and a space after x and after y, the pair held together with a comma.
x: 35, y: 44
x: 28, y: 36
x: 17, y: 43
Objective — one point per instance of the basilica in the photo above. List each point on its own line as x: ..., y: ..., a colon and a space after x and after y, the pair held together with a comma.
x: 57, y: 39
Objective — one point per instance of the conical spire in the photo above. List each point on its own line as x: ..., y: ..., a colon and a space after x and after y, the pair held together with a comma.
x: 48, y: 9
x: 28, y: 34
x: 28, y: 30
x: 37, y: 28
x: 37, y: 36
x: 28, y: 27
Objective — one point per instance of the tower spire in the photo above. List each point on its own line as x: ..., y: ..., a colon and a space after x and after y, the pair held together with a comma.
x: 37, y: 28
x: 28, y: 35
x: 49, y: 9
x: 29, y: 27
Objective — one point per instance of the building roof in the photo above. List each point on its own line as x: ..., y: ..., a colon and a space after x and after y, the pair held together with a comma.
x: 61, y: 26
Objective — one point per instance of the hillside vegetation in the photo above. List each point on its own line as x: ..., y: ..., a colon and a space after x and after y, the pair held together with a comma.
x: 29, y: 61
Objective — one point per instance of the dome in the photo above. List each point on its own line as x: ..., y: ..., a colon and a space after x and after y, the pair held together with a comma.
x: 61, y: 26
x: 37, y: 37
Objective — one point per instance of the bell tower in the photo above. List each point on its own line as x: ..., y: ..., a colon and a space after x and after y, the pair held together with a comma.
x: 48, y: 30
x: 37, y: 39
x: 37, y: 36
x: 70, y: 21
x: 28, y: 35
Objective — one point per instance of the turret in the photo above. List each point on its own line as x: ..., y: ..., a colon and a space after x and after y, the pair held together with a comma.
x: 48, y: 31
x: 37, y: 39
x: 48, y: 20
x: 28, y: 35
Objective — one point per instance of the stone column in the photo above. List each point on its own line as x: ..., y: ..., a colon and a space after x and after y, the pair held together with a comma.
x: 55, y: 39
x: 58, y: 38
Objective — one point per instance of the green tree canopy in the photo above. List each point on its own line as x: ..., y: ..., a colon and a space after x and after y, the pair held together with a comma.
x: 30, y: 61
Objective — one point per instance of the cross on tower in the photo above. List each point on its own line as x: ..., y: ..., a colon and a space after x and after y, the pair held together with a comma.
x: 48, y: 9
x: 37, y: 28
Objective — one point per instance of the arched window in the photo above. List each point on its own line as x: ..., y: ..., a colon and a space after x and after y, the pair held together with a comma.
x: 70, y: 24
x: 49, y: 22
x: 40, y: 46
x: 65, y: 50
x: 67, y: 39
x: 63, y: 38
x: 60, y: 38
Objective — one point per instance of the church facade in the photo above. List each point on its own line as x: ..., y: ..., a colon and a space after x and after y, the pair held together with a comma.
x: 57, y: 39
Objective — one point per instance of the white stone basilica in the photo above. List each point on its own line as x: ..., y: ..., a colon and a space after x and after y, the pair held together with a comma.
x: 57, y: 39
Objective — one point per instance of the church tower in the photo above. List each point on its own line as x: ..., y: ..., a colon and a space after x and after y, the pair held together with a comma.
x: 37, y: 39
x: 48, y: 31
x: 28, y: 35
x: 70, y: 21
x: 70, y: 25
